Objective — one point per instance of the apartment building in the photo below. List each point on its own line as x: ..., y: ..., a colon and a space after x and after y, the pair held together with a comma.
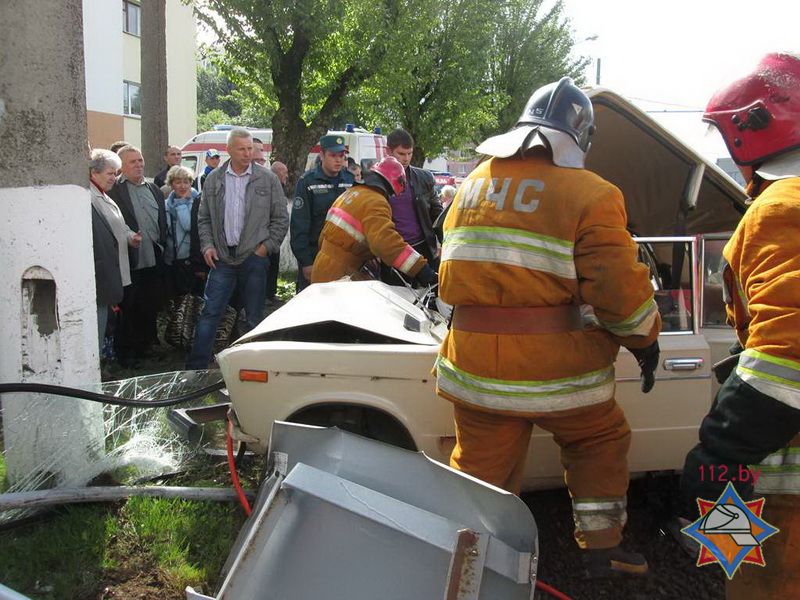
x: 112, y: 45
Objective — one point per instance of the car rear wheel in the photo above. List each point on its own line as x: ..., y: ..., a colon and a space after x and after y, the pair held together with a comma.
x: 369, y: 422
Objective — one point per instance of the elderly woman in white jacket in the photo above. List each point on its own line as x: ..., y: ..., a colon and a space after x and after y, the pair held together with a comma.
x: 103, y: 168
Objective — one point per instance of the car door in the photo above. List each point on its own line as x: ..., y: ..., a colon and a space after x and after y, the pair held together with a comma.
x: 664, y: 422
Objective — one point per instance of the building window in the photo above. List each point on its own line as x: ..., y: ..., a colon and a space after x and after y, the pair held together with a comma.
x: 131, y: 98
x: 131, y: 17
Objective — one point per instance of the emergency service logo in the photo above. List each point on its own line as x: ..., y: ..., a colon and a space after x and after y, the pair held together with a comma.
x: 730, y: 531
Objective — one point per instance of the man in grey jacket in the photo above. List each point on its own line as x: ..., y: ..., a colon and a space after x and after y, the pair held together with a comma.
x: 241, y: 220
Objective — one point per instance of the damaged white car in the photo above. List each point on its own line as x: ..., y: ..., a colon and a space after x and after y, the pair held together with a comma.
x: 359, y: 355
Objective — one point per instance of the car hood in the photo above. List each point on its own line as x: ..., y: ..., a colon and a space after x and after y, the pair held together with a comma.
x: 669, y: 188
x: 366, y: 305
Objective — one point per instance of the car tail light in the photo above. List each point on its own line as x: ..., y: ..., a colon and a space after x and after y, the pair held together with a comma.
x: 253, y: 375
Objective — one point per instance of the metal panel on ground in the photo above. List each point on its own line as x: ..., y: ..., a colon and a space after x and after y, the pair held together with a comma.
x: 342, y: 516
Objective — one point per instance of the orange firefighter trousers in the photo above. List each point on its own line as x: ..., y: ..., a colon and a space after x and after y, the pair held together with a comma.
x: 594, y: 442
x: 780, y: 578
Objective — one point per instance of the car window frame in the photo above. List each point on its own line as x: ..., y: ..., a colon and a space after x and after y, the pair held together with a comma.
x: 702, y: 239
x: 694, y: 275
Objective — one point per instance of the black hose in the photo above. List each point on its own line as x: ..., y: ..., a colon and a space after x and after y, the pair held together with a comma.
x: 58, y: 390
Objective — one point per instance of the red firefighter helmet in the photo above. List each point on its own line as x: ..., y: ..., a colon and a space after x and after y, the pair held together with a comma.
x: 759, y: 114
x: 392, y: 171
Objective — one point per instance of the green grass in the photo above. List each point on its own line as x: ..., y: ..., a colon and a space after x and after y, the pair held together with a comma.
x: 63, y: 557
x: 189, y: 541
x: 144, y: 547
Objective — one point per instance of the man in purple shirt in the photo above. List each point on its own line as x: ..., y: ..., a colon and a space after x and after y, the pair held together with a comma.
x: 415, y: 209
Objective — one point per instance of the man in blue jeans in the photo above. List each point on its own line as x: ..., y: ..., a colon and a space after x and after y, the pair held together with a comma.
x: 241, y: 220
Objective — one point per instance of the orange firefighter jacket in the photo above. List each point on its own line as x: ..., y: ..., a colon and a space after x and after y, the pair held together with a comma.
x: 358, y: 228
x: 525, y: 233
x: 762, y: 291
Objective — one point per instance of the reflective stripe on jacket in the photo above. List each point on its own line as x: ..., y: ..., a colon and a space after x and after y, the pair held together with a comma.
x: 523, y: 232
x: 779, y: 473
x: 762, y: 283
x: 358, y: 228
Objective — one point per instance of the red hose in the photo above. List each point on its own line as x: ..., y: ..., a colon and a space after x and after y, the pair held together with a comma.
x: 234, y: 475
x: 549, y: 589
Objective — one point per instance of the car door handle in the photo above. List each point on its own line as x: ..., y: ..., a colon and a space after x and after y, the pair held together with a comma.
x: 683, y: 364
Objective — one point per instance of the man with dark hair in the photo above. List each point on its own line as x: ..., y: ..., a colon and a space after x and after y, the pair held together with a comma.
x: 414, y: 209
x: 315, y: 192
x: 172, y: 157
x: 117, y: 145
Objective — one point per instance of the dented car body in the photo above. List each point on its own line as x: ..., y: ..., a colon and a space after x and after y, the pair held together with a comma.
x: 359, y: 354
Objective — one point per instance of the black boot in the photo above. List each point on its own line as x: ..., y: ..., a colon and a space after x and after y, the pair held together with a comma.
x: 610, y: 562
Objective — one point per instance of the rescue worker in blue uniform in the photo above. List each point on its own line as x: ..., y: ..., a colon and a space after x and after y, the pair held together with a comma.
x: 315, y: 193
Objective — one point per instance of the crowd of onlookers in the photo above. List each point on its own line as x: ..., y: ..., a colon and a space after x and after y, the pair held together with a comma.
x: 218, y: 235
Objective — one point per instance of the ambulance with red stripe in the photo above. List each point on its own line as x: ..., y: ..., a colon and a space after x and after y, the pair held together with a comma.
x: 363, y: 146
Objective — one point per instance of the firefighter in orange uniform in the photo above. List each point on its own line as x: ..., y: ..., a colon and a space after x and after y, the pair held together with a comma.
x: 359, y: 227
x: 755, y: 417
x: 530, y: 238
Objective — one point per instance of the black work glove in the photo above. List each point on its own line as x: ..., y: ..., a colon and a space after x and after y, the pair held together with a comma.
x: 648, y: 363
x: 427, y: 276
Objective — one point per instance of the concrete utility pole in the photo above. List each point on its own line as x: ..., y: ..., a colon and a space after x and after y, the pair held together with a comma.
x: 155, y: 122
x: 48, y: 317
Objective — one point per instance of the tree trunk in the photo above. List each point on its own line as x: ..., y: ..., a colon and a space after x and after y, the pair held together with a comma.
x: 292, y: 140
x: 155, y: 124
x: 418, y: 158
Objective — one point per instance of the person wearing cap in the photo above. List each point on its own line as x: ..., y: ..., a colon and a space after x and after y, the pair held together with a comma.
x: 530, y: 238
x: 755, y: 417
x: 359, y: 227
x: 314, y: 194
x: 212, y: 162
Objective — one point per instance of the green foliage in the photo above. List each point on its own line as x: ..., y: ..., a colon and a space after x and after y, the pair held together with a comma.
x: 215, y: 91
x: 433, y: 82
x: 207, y: 120
x: 286, y: 287
x: 296, y: 61
x: 531, y: 48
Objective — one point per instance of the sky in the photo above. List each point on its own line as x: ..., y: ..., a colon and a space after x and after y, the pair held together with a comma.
x: 675, y: 55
